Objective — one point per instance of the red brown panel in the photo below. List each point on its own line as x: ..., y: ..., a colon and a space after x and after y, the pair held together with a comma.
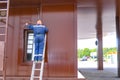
x: 61, y: 52
x: 25, y: 3
x: 57, y: 1
x: 29, y: 3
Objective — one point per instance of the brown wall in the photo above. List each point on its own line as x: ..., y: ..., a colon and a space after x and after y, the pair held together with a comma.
x: 61, y: 41
x: 17, y: 19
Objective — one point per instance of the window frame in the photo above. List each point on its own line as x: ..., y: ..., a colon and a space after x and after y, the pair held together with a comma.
x: 25, y: 44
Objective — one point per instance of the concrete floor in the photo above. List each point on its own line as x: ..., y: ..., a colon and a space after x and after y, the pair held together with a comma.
x: 94, y: 74
x: 91, y: 72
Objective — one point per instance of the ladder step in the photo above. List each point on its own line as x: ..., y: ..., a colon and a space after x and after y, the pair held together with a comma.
x: 37, y: 62
x: 36, y: 77
x: 1, y: 78
x: 3, y: 1
x: 3, y: 17
x: 3, y: 9
x: 2, y: 26
x: 38, y: 55
x: 37, y: 69
x: 2, y: 34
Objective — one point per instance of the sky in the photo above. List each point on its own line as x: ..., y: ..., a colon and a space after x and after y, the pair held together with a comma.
x: 108, y: 41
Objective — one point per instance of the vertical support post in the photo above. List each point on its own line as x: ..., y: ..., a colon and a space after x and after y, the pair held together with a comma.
x: 99, y: 34
x: 118, y: 35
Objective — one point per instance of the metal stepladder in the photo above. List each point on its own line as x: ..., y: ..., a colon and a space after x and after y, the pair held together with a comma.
x: 4, y: 11
x: 41, y: 67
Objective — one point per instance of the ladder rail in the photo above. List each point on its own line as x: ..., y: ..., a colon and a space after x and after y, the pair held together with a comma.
x: 42, y: 64
x: 5, y: 18
x: 32, y: 73
x: 3, y: 1
x: 3, y: 9
x: 32, y: 51
x: 6, y: 32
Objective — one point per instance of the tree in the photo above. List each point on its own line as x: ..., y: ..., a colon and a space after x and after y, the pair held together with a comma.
x: 80, y: 53
x: 83, y: 52
x: 86, y: 52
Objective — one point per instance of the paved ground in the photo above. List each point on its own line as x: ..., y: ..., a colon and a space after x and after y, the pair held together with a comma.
x: 94, y: 74
x: 89, y: 70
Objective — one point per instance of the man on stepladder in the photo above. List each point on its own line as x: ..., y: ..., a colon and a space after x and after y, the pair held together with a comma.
x: 39, y: 31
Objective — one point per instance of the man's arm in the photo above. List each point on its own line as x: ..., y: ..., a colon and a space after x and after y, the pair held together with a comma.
x: 28, y: 26
x: 46, y: 29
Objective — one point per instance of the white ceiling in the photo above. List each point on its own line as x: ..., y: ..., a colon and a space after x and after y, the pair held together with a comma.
x: 86, y: 18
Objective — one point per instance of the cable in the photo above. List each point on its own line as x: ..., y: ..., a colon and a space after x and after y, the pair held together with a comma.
x: 39, y: 10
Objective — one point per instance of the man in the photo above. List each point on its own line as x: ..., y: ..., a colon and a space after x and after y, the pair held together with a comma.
x: 39, y: 31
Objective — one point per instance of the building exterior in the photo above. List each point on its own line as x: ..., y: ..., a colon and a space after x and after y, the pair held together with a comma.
x: 61, y: 52
x: 61, y: 58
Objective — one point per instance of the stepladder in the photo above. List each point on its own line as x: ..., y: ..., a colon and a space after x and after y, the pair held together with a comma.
x: 38, y: 66
x: 4, y: 12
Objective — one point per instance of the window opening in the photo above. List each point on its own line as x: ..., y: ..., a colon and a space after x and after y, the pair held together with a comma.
x: 29, y: 45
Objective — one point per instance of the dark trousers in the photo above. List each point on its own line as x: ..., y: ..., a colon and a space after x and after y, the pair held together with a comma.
x: 39, y: 46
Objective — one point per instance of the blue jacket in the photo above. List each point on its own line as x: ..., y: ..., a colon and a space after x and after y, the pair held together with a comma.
x: 38, y: 29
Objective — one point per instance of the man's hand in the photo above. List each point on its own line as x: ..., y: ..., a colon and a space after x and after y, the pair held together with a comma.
x: 26, y: 23
x: 25, y: 26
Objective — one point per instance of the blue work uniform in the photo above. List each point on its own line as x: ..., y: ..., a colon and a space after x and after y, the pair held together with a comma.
x: 39, y: 35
